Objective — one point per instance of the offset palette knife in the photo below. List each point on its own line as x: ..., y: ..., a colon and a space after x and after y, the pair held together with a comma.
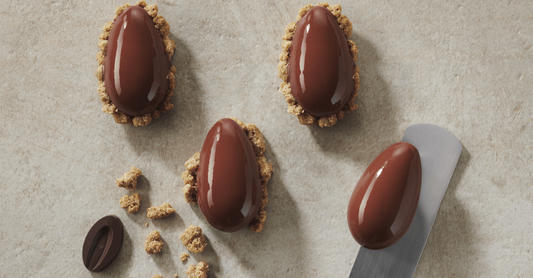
x: 439, y: 152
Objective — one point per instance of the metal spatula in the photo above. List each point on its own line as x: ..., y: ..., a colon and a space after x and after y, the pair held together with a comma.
x: 439, y: 152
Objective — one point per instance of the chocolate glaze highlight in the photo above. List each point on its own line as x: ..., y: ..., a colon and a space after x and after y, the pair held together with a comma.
x: 229, y: 185
x: 384, y: 202
x: 321, y: 67
x: 103, y: 243
x: 136, y: 65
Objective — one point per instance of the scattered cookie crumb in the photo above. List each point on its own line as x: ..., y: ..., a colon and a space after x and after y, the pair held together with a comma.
x: 129, y: 180
x: 146, y: 224
x: 184, y: 257
x: 153, y: 243
x: 198, y: 271
x: 161, y: 211
x: 193, y: 239
x: 265, y: 171
x: 157, y: 276
x: 131, y: 203
x: 175, y: 275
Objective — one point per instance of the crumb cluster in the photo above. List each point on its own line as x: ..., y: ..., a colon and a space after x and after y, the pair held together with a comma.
x: 198, y: 271
x: 184, y: 257
x: 164, y: 30
x: 132, y: 202
x: 189, y: 179
x: 161, y: 211
x: 285, y: 87
x: 193, y: 239
x: 265, y: 171
x: 129, y: 180
x: 153, y: 243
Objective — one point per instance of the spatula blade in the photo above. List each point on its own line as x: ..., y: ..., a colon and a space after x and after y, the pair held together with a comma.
x: 439, y: 152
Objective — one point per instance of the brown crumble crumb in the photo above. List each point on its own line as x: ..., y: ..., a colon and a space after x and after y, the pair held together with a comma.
x: 184, y: 257
x: 198, y: 271
x: 141, y: 4
x: 190, y: 191
x: 132, y: 202
x: 175, y: 275
x: 161, y: 211
x: 157, y: 276
x: 164, y: 30
x: 258, y: 223
x: 285, y: 87
x: 152, y: 10
x: 265, y: 171
x: 153, y: 243
x: 146, y: 224
x: 193, y: 239
x: 193, y: 163
x: 189, y: 179
x: 129, y: 179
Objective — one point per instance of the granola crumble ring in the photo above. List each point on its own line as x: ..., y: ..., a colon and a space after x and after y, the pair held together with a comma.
x: 198, y: 271
x: 193, y: 239
x: 131, y: 203
x: 153, y: 243
x: 163, y: 27
x: 265, y: 171
x: 285, y: 87
x: 184, y: 257
x: 161, y: 211
x: 129, y: 180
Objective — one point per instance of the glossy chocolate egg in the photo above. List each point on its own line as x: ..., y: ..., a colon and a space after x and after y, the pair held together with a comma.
x: 229, y: 185
x: 136, y: 65
x: 385, y: 199
x: 321, y: 67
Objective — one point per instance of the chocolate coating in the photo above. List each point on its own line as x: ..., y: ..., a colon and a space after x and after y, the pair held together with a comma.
x: 103, y: 243
x: 321, y: 67
x: 229, y: 185
x: 385, y: 199
x: 136, y: 65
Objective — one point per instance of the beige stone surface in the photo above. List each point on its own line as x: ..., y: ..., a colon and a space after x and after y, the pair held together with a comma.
x: 463, y: 65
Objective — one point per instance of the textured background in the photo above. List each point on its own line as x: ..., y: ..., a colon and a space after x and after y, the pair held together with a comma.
x: 463, y: 66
